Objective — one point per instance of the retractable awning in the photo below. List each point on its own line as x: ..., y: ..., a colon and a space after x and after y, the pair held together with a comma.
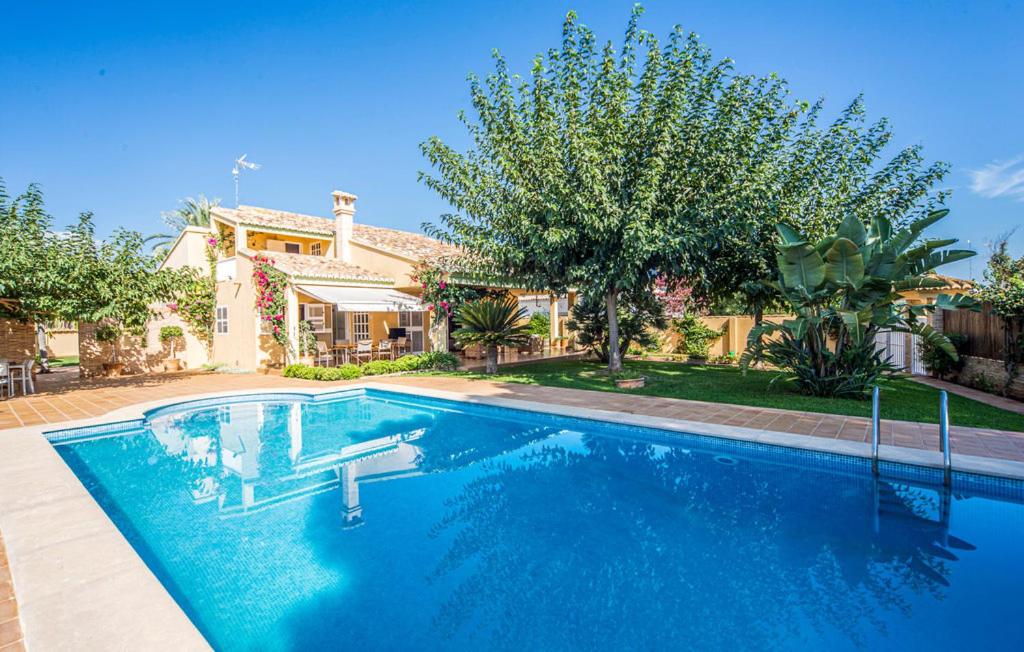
x: 364, y: 299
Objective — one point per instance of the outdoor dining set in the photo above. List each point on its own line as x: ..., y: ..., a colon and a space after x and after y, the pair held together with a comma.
x: 363, y: 351
x: 13, y: 373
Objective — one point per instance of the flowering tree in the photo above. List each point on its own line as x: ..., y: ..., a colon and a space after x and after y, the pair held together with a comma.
x: 270, y: 285
x: 441, y: 296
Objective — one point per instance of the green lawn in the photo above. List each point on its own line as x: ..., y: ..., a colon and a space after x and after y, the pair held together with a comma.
x: 68, y: 361
x: 901, y: 399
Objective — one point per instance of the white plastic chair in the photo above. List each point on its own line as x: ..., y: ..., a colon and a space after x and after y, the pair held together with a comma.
x: 5, y: 379
x: 322, y: 354
x: 364, y: 348
x: 384, y: 348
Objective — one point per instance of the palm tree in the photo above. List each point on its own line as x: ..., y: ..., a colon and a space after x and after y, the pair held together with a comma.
x: 190, y: 212
x: 492, y: 323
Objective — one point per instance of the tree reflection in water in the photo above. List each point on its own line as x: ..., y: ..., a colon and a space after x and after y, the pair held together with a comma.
x: 632, y: 544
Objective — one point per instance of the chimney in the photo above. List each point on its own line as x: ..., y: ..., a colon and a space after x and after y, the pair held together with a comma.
x: 344, y: 209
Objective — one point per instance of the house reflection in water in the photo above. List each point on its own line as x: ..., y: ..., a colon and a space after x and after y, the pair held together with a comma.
x: 252, y: 456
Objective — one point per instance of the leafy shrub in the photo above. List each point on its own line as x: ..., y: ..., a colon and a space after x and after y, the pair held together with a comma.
x: 695, y: 337
x: 378, y: 368
x: 937, y: 360
x: 539, y: 324
x: 170, y: 332
x: 106, y: 333
x: 306, y: 372
x: 409, y: 362
x: 439, y: 361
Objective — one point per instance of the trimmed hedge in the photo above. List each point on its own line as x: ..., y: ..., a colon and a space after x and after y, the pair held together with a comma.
x: 434, y: 360
x: 344, y: 372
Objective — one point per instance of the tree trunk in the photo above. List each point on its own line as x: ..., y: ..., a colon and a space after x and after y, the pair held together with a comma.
x: 614, y: 353
x: 492, y: 359
x: 758, y: 314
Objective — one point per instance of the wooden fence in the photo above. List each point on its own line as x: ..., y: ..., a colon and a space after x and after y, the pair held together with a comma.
x: 985, y: 332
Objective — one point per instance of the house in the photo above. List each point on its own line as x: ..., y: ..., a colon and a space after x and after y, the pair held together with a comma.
x: 350, y: 281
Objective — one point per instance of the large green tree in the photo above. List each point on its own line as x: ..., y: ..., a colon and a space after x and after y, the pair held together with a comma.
x: 71, y: 275
x: 564, y: 184
x: 606, y: 167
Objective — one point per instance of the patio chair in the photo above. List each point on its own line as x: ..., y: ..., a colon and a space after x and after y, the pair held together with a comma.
x: 401, y: 345
x: 5, y: 379
x: 324, y: 357
x: 364, y: 349
x: 384, y: 348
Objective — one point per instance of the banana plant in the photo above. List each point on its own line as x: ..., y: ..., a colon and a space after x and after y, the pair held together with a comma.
x: 844, y: 289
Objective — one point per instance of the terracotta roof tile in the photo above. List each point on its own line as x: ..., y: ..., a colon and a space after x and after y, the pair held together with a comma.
x: 402, y: 243
x: 410, y: 245
x: 270, y: 218
x: 302, y: 266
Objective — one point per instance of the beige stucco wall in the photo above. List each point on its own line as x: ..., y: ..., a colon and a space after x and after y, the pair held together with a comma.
x: 145, y: 354
x: 189, y: 251
x: 61, y: 343
x: 386, y: 265
x: 241, y: 347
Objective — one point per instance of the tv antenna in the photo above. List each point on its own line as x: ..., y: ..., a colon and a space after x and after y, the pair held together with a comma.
x: 241, y: 164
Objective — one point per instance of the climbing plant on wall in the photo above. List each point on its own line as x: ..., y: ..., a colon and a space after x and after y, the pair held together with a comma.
x: 439, y: 295
x: 270, y: 285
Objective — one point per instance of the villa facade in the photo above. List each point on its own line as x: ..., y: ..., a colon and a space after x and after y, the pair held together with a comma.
x: 352, y: 282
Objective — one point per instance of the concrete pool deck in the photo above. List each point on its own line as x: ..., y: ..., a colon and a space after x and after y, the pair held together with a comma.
x: 80, y: 584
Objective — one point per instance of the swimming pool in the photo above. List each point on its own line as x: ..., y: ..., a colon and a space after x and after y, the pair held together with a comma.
x: 390, y: 521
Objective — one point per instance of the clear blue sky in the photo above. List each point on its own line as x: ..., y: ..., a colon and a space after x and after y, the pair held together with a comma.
x: 123, y: 108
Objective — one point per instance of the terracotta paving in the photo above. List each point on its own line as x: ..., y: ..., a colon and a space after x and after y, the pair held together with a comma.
x: 982, y: 397
x: 63, y: 397
x: 10, y: 626
x: 966, y: 441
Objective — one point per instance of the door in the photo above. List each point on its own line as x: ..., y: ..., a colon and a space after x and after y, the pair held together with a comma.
x: 412, y: 322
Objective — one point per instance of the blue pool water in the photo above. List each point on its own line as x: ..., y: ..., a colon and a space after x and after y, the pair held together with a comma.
x: 382, y: 521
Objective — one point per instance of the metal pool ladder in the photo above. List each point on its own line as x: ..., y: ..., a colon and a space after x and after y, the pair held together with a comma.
x: 947, y: 467
x: 876, y: 427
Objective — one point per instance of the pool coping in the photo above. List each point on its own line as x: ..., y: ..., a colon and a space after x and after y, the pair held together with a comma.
x: 80, y: 583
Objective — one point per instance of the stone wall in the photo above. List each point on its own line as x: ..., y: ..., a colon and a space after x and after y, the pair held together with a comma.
x: 17, y: 340
x: 139, y: 355
x: 979, y: 372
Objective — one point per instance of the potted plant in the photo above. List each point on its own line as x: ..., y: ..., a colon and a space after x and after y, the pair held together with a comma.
x: 307, y: 343
x: 110, y: 333
x: 170, y: 335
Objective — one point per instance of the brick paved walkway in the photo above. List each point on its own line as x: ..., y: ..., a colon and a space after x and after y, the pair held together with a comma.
x: 64, y: 398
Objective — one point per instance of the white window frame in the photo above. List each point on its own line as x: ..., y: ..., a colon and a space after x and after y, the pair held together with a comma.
x: 220, y: 320
x: 316, y: 249
x: 308, y: 312
x: 340, y: 318
x: 360, y: 326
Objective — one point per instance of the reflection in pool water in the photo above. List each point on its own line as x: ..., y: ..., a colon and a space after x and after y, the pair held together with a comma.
x: 398, y: 523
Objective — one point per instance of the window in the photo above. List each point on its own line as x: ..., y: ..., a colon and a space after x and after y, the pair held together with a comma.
x: 410, y: 319
x: 314, y: 249
x: 340, y: 326
x: 361, y: 325
x: 292, y: 248
x: 314, y: 314
x: 222, y: 320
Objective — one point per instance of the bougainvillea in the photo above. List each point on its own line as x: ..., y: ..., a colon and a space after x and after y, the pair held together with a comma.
x: 270, y: 285
x: 440, y: 296
x: 196, y: 305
